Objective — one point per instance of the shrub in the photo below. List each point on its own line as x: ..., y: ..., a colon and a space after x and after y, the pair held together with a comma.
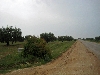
x: 36, y: 48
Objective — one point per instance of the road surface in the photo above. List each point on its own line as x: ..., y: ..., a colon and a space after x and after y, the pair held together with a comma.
x: 78, y: 60
x: 93, y: 47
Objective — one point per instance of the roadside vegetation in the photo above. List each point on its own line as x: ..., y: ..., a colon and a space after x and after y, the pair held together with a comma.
x: 58, y: 47
x: 11, y: 59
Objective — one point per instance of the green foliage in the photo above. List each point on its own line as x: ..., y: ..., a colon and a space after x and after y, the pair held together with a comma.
x: 14, y: 60
x: 10, y: 34
x: 28, y: 36
x: 6, y: 50
x: 65, y: 38
x: 59, y: 47
x: 48, y: 37
x: 36, y: 48
x: 97, y: 38
x: 89, y: 39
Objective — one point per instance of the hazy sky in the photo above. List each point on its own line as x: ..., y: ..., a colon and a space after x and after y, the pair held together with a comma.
x: 77, y: 18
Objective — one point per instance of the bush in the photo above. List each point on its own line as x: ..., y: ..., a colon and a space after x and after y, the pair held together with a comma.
x: 36, y: 48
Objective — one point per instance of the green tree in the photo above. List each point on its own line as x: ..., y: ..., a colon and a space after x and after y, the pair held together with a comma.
x: 48, y: 37
x: 65, y: 38
x: 27, y: 37
x: 10, y: 34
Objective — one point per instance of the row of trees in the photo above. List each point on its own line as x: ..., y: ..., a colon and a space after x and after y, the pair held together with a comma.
x: 97, y: 38
x: 14, y: 34
x: 65, y: 38
x: 10, y: 34
x: 48, y: 37
x: 92, y: 39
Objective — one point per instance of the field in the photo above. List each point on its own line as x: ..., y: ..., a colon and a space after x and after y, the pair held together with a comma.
x: 6, y: 50
x: 10, y: 58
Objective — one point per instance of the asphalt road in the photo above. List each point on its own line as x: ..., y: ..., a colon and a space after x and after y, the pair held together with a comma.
x: 92, y: 46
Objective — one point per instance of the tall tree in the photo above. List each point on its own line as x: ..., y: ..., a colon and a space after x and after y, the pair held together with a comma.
x: 10, y: 34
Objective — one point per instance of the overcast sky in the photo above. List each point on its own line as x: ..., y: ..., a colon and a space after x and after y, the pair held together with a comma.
x: 77, y: 18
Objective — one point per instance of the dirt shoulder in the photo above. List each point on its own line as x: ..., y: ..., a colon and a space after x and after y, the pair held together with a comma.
x: 76, y: 61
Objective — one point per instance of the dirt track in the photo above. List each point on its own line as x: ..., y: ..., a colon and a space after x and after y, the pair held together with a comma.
x: 76, y: 61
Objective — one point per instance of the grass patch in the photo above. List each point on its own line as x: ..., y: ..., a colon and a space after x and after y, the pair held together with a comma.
x: 6, y: 50
x: 59, y: 47
x: 11, y: 59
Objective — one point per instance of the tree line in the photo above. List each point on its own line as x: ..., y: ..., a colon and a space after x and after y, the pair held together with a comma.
x: 11, y: 34
x: 97, y: 38
x: 65, y: 38
x: 50, y: 37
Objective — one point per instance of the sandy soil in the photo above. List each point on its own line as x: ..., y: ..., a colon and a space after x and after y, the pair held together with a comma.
x: 76, y: 61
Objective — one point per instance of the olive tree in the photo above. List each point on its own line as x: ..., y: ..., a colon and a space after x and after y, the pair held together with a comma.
x: 10, y: 34
x: 48, y: 37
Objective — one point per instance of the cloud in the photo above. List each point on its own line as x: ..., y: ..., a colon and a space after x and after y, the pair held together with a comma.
x: 62, y: 17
